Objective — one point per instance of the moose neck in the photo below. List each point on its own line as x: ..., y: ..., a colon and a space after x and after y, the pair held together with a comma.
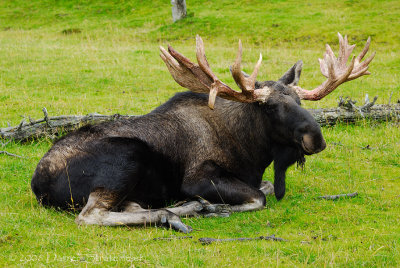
x: 249, y: 126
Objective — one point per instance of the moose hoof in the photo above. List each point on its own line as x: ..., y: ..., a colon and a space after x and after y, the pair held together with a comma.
x: 267, y: 187
x: 175, y: 223
x: 179, y: 226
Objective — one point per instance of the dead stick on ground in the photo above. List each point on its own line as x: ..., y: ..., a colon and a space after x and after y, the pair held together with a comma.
x: 207, y: 240
x: 173, y: 238
x: 3, y: 144
x: 10, y: 154
x: 334, y: 197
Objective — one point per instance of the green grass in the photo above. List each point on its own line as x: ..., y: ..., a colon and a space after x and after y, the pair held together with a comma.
x: 109, y: 63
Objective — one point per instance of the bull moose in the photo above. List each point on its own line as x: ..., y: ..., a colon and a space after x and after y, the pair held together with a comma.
x: 128, y: 171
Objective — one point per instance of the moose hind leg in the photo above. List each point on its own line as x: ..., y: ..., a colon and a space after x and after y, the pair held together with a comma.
x: 187, y: 209
x: 98, y: 212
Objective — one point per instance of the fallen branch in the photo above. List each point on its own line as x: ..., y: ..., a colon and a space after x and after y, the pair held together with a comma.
x: 207, y: 240
x: 55, y: 125
x: 10, y: 154
x: 346, y: 112
x: 334, y: 197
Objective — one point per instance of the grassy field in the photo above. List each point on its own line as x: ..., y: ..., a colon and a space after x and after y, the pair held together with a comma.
x: 78, y: 57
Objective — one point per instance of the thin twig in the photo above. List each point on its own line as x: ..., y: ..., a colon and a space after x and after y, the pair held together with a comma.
x: 21, y: 124
x: 357, y: 109
x: 334, y: 197
x: 216, y: 189
x: 350, y: 104
x: 10, y: 154
x: 32, y: 121
x: 367, y: 106
x: 346, y: 103
x: 207, y: 240
x: 367, y: 147
x: 46, y: 117
x: 3, y: 144
x: 173, y: 238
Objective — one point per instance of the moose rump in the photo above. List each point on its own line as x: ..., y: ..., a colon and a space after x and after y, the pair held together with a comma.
x: 126, y: 167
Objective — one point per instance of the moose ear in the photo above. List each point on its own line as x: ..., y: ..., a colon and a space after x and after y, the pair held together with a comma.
x: 292, y: 76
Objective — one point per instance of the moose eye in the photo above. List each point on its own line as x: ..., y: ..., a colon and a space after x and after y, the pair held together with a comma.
x: 303, y: 129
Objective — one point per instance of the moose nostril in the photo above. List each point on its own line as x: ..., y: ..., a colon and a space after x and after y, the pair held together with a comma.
x: 312, y: 144
x: 308, y: 142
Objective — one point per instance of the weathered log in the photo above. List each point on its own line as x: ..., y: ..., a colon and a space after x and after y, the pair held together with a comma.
x: 51, y: 126
x: 332, y: 116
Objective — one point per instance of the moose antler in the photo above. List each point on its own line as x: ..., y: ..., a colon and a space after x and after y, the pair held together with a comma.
x: 336, y: 71
x: 199, y: 78
x: 246, y: 84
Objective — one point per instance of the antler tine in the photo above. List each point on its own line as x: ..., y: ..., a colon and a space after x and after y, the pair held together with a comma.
x: 236, y: 70
x: 323, y: 67
x: 336, y: 71
x: 367, y: 61
x: 253, y: 76
x: 361, y: 68
x: 216, y: 86
x: 359, y: 73
x: 178, y: 72
x: 364, y: 64
x: 202, y: 59
x: 246, y: 84
x: 344, y: 50
x: 331, y: 67
x: 365, y: 50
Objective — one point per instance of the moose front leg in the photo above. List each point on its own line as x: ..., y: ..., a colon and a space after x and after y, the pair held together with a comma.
x: 98, y: 212
x: 222, y: 190
x: 284, y: 157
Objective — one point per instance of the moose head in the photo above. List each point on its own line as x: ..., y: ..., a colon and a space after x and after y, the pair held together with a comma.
x: 281, y: 98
